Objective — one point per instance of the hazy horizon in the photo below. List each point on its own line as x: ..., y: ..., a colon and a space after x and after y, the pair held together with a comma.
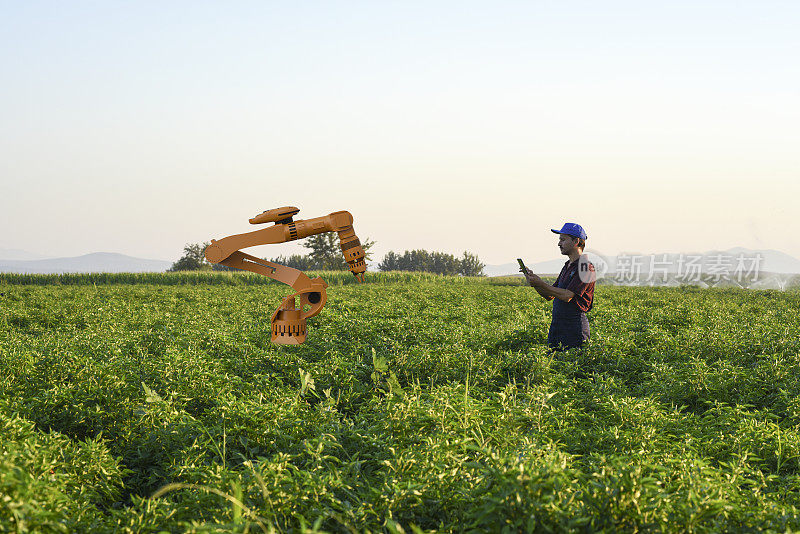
x: 138, y: 128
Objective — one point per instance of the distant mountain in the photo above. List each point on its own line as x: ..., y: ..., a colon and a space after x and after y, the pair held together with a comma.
x: 97, y: 262
x: 772, y: 261
x: 17, y: 254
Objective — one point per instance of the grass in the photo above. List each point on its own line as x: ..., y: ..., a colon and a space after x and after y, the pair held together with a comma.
x: 418, y: 403
x: 224, y: 278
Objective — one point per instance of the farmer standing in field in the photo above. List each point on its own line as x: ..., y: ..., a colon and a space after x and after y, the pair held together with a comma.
x: 573, y: 290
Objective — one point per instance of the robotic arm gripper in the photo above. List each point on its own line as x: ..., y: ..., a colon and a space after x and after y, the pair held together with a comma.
x: 289, y: 322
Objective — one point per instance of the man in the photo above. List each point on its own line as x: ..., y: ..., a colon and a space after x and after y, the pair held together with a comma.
x: 572, y: 293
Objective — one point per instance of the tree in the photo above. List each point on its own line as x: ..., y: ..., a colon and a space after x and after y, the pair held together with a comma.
x: 443, y: 263
x: 433, y: 262
x: 471, y: 265
x: 295, y: 261
x: 220, y: 267
x: 391, y: 262
x: 193, y: 258
x: 326, y: 253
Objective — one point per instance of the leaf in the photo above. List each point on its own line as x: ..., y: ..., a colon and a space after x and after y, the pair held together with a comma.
x: 150, y: 395
x: 306, y: 382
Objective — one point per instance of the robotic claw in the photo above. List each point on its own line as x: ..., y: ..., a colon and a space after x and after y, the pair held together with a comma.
x: 288, y: 321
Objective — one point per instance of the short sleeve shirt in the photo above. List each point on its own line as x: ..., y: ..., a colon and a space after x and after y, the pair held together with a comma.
x: 579, y: 277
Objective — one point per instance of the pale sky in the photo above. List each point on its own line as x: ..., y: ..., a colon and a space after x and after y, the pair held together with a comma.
x: 137, y: 127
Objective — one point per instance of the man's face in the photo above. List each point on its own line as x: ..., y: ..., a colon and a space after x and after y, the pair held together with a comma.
x: 566, y: 243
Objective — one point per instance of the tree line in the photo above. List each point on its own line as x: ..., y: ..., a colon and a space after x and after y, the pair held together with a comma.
x: 432, y: 262
x: 325, y: 255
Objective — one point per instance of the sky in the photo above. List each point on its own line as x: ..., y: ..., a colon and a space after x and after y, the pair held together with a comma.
x: 139, y: 127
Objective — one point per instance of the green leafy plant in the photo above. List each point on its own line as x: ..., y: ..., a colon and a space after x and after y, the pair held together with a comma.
x: 419, y: 403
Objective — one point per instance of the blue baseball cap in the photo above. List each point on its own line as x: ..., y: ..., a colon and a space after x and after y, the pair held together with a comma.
x: 573, y: 229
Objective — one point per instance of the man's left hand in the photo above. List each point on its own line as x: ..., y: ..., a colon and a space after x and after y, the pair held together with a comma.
x: 533, y: 279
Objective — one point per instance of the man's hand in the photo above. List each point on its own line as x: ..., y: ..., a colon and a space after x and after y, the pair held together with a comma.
x: 544, y: 289
x: 533, y: 279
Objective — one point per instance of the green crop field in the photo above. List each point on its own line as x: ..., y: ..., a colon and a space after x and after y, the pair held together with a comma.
x: 146, y: 403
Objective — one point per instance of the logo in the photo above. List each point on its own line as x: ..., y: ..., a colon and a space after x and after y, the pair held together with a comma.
x: 591, y: 266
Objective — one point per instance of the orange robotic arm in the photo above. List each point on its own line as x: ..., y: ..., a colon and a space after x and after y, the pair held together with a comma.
x: 288, y: 322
